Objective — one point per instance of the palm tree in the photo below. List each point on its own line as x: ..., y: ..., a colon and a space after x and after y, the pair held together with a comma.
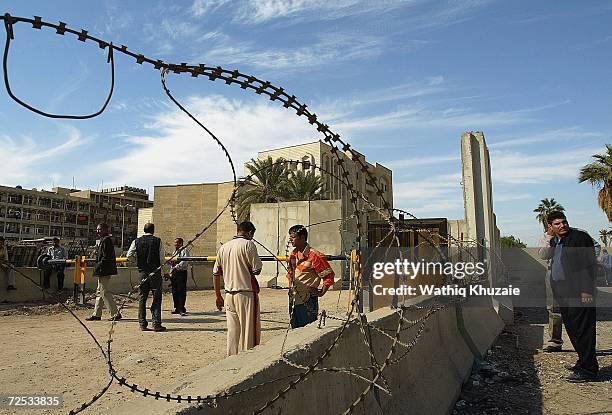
x: 544, y: 208
x: 605, y: 235
x: 266, y: 183
x: 304, y: 186
x: 599, y: 174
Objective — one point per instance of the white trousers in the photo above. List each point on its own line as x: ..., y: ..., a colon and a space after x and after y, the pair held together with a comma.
x: 243, y: 321
x: 103, y: 296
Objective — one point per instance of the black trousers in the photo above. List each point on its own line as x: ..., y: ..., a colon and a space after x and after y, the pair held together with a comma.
x: 179, y: 290
x: 60, y: 277
x: 579, y: 322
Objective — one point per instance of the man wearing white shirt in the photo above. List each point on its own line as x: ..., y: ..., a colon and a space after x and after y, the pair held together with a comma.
x: 238, y: 262
x: 149, y: 255
x: 178, y: 276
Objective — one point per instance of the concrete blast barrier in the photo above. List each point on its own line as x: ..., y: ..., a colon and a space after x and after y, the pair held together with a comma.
x: 426, y: 381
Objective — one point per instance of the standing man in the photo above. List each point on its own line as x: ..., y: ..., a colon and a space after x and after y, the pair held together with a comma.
x: 149, y: 255
x: 555, y: 322
x: 307, y: 267
x: 104, y: 268
x: 55, y: 251
x: 572, y: 276
x: 238, y: 262
x: 9, y: 275
x: 178, y: 278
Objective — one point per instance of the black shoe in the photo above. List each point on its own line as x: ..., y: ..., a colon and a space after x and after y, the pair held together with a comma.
x: 116, y: 317
x: 175, y: 311
x: 159, y: 328
x: 143, y: 328
x: 572, y: 368
x: 10, y: 288
x: 552, y: 349
x: 93, y: 318
x: 580, y: 376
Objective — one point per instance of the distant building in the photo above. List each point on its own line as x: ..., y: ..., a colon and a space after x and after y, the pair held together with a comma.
x: 319, y: 154
x: 70, y: 214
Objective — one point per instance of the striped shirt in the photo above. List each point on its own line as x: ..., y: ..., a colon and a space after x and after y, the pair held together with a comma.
x: 306, y: 269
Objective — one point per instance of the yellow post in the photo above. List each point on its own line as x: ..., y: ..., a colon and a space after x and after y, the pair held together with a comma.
x: 83, y: 271
x: 77, y: 269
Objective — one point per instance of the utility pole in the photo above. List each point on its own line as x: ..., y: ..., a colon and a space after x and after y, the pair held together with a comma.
x: 123, y: 207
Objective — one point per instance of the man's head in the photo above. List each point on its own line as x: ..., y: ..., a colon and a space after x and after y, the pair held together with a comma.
x: 557, y: 223
x: 102, y: 229
x: 56, y: 241
x: 178, y: 242
x: 149, y: 228
x: 246, y: 230
x: 298, y: 235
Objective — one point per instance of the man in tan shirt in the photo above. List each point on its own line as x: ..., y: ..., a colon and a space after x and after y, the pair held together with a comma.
x: 238, y: 262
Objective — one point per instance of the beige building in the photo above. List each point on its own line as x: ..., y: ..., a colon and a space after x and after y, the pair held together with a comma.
x: 184, y: 210
x: 319, y: 154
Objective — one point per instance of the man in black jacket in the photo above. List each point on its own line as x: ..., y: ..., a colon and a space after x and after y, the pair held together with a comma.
x: 105, y: 266
x: 149, y: 254
x: 572, y: 273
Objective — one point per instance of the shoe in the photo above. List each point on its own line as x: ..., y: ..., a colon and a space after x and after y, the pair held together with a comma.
x: 159, y: 328
x: 116, y: 317
x: 552, y: 349
x: 93, y: 318
x: 10, y: 288
x: 143, y: 328
x: 175, y: 311
x: 183, y: 313
x: 580, y: 376
x: 572, y: 368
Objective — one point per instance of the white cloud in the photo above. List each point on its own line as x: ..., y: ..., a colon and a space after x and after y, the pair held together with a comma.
x: 174, y: 149
x: 200, y: 8
x: 521, y: 168
x: 561, y: 134
x: 421, y: 161
x: 326, y: 48
x: 23, y: 159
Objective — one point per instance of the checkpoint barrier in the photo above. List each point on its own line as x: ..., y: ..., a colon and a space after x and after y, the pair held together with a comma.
x: 79, y: 263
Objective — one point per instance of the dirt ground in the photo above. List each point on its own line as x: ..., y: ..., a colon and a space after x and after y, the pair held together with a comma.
x: 518, y: 378
x: 44, y: 349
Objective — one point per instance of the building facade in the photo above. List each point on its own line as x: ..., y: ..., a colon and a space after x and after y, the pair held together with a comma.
x: 69, y: 214
x: 34, y: 214
x: 319, y: 154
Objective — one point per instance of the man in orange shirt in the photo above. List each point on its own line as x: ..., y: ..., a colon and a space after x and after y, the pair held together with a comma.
x: 307, y: 267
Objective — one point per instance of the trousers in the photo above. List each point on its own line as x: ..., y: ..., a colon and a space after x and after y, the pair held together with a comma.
x: 243, y: 321
x: 179, y: 290
x: 104, y: 297
x: 151, y: 284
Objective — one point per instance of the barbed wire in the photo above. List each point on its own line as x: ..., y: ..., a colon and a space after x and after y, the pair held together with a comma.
x: 339, y: 149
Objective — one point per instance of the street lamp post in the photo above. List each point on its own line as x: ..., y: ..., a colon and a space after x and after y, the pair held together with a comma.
x: 123, y: 207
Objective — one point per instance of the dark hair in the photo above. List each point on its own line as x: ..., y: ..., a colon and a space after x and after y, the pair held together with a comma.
x: 178, y: 238
x: 103, y: 225
x: 2, y: 238
x: 149, y: 228
x: 55, y: 238
x: 246, y: 226
x: 299, y: 230
x: 552, y: 216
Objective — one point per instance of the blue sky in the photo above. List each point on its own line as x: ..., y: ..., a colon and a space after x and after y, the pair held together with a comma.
x: 400, y: 80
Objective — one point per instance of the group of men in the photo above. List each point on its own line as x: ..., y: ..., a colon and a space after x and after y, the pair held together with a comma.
x: 571, y: 258
x: 148, y: 253
x: 238, y: 263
